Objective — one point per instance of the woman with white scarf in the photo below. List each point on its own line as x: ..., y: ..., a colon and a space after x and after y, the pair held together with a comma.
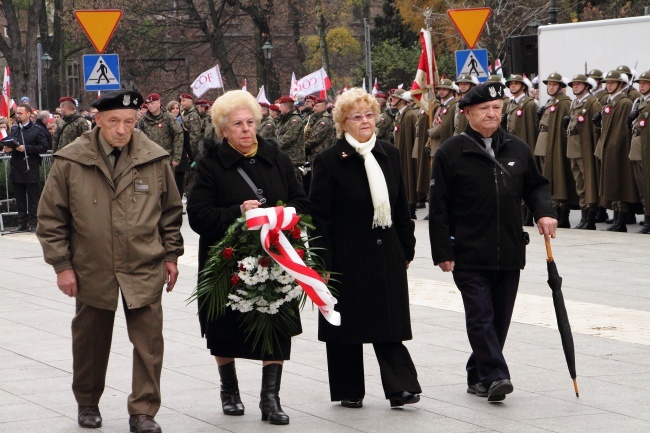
x: 360, y: 210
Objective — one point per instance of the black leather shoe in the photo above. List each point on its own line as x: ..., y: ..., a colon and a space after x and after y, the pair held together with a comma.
x: 499, y: 389
x: 402, y: 398
x: 21, y: 228
x: 352, y: 404
x: 143, y: 424
x: 477, y: 389
x: 89, y: 417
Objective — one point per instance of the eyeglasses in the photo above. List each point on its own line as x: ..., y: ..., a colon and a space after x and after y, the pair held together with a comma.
x: 359, y: 117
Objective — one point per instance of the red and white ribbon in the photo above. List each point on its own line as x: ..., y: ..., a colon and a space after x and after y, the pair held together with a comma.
x: 274, y: 220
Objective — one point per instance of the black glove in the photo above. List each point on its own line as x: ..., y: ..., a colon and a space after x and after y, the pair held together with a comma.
x: 427, y: 150
x: 598, y: 119
x: 540, y: 113
x: 632, y: 117
x: 565, y: 121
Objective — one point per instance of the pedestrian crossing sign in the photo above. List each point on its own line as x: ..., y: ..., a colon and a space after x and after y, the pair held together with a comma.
x: 473, y: 62
x: 101, y: 72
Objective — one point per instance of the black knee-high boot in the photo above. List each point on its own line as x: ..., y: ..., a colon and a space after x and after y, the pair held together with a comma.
x: 269, y: 396
x: 646, y: 225
x: 230, y: 400
x: 583, y: 218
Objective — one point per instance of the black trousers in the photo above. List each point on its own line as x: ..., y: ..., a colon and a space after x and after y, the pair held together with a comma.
x: 346, y: 376
x: 489, y: 298
x: 27, y: 196
x: 179, y: 178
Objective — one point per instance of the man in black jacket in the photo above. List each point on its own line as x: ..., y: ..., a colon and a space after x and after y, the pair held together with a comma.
x: 25, y: 162
x: 479, y: 179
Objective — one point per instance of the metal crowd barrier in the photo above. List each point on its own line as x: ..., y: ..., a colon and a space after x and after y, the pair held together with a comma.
x: 6, y: 191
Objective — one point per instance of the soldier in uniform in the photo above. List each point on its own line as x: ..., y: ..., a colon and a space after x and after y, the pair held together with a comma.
x: 308, y: 106
x: 617, y: 186
x: 629, y: 91
x: 192, y: 134
x: 581, y: 142
x: 266, y: 128
x: 640, y: 148
x: 203, y: 107
x: 599, y: 90
x: 385, y: 121
x: 274, y: 113
x: 424, y: 154
x: 551, y: 148
x: 161, y: 127
x: 320, y: 134
x: 443, y: 118
x: 465, y: 82
x: 405, y: 123
x: 289, y: 130
x: 521, y: 120
x: 601, y: 94
x: 71, y: 126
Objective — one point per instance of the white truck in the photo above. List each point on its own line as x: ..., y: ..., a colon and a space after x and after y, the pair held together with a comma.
x: 604, y: 45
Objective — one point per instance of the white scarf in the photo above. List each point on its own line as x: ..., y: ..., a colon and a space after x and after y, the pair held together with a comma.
x: 376, y: 180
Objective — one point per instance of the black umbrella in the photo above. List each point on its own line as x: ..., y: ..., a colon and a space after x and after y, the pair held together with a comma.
x: 555, y: 283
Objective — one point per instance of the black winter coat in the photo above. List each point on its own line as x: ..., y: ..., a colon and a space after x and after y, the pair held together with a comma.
x: 369, y: 264
x: 214, y: 203
x: 35, y: 144
x: 475, y: 209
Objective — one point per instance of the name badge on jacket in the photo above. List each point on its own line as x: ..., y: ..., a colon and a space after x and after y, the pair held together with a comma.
x: 142, y: 185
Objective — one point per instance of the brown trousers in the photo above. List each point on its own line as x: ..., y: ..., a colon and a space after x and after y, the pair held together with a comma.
x: 92, y: 332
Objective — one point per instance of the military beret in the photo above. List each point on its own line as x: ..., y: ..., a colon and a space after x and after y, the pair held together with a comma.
x: 117, y: 100
x: 153, y: 97
x: 381, y: 95
x: 265, y: 104
x: 645, y: 76
x: 274, y: 107
x: 201, y: 102
x: 144, y: 106
x: 285, y: 100
x: 312, y: 98
x: 482, y: 93
x: 186, y: 96
x: 67, y: 98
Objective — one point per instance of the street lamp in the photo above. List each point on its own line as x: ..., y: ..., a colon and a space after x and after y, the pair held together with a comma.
x: 266, y: 50
x: 46, y: 62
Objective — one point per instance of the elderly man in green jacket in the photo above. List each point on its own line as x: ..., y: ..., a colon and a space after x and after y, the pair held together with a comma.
x: 109, y: 222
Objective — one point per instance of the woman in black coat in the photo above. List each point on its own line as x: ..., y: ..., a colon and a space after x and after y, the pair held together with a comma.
x: 360, y: 210
x: 220, y: 195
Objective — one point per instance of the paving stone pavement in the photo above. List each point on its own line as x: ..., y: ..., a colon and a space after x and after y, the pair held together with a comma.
x: 607, y: 290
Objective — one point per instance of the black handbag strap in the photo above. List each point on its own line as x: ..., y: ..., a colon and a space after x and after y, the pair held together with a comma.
x: 258, y: 192
x: 494, y: 160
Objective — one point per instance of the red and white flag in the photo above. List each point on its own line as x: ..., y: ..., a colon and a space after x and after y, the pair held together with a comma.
x: 210, y: 79
x: 293, y: 91
x: 5, y: 103
x: 422, y: 89
x: 3, y: 134
x: 261, y: 96
x: 312, y: 83
x: 497, y: 67
x: 375, y: 88
x: 245, y: 86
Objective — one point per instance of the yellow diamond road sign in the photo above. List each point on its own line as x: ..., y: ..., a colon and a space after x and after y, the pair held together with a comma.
x: 99, y: 25
x: 470, y: 23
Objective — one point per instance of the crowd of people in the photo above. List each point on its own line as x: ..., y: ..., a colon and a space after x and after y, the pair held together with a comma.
x: 490, y: 161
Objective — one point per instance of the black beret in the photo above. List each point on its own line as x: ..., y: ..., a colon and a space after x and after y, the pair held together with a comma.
x: 482, y: 93
x: 118, y: 99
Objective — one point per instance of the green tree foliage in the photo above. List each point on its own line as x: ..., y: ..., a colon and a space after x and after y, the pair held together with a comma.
x: 390, y: 25
x: 392, y: 64
x: 344, y: 52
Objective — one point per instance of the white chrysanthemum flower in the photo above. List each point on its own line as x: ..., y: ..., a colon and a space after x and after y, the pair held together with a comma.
x: 285, y: 278
x: 248, y: 263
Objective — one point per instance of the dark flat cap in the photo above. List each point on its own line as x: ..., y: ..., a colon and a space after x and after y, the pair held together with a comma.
x: 118, y: 99
x: 482, y: 93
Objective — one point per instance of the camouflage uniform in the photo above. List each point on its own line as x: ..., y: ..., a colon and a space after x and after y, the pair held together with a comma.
x: 165, y: 131
x: 192, y: 126
x: 290, y: 132
x: 266, y: 128
x: 385, y: 127
x: 68, y: 129
x: 206, y: 120
x: 321, y: 134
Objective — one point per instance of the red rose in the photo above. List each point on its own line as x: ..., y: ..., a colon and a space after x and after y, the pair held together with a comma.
x: 274, y: 237
x: 265, y: 262
x: 228, y: 253
x: 242, y: 268
x: 301, y: 253
x: 234, y: 280
x: 295, y: 232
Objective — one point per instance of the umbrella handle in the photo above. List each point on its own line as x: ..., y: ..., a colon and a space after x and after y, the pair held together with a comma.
x: 549, y: 252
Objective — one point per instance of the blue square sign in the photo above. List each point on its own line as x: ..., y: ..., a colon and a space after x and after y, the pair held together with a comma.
x: 473, y: 62
x: 101, y: 72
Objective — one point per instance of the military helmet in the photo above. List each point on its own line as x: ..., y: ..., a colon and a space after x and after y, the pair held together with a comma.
x: 495, y: 79
x: 467, y: 78
x: 616, y: 76
x: 555, y: 78
x: 582, y: 78
x: 516, y: 78
x: 446, y: 83
x: 625, y: 69
x: 596, y: 74
x: 645, y: 76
